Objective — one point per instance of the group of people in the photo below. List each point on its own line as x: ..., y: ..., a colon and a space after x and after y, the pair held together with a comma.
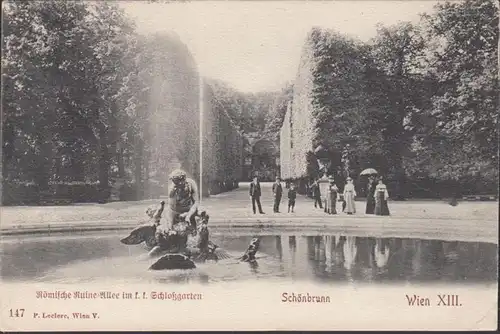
x: 183, y: 198
x: 255, y: 193
x: 377, y: 196
x: 376, y: 203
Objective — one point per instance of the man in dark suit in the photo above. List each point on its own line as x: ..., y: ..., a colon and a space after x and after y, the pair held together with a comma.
x: 255, y: 194
x: 316, y: 194
x: 277, y: 192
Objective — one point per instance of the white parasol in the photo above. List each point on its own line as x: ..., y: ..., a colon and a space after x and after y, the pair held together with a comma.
x: 369, y: 171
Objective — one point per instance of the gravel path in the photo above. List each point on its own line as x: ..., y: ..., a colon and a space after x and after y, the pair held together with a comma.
x: 430, y: 219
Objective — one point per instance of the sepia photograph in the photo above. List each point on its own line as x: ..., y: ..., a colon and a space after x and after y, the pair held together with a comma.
x: 249, y: 165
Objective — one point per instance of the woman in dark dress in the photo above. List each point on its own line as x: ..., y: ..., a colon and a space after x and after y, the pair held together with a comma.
x: 331, y: 199
x: 370, y: 196
x: 381, y: 197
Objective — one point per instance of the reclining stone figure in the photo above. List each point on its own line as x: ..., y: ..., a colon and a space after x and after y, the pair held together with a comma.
x: 178, y: 247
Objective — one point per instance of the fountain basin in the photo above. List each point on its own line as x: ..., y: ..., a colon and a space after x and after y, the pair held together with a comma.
x: 287, y: 256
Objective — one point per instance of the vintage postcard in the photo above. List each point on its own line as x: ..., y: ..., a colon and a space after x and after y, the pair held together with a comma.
x: 249, y: 165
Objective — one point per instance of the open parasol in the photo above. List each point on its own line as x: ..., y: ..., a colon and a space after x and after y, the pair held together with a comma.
x: 369, y: 171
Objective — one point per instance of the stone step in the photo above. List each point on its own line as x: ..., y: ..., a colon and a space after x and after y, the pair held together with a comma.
x: 480, y: 198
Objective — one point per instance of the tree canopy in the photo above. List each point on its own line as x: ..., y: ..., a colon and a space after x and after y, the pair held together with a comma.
x: 419, y: 100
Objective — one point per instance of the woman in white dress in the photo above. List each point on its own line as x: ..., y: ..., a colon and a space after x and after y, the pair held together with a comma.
x: 349, y: 195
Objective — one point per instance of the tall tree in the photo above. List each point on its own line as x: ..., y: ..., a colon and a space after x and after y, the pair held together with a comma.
x: 341, y: 99
x: 108, y: 33
x: 397, y: 52
x: 38, y: 39
x: 462, y: 134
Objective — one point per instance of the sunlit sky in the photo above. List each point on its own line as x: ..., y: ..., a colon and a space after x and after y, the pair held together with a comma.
x: 256, y: 45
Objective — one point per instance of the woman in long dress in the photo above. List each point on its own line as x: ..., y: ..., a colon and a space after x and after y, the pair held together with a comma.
x: 331, y: 198
x: 370, y: 198
x: 381, y: 196
x: 349, y: 195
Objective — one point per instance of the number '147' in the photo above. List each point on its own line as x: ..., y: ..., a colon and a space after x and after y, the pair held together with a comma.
x: 17, y: 313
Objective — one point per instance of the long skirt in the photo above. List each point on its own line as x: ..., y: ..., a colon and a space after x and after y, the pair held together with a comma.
x: 381, y: 207
x: 350, y: 206
x: 331, y: 203
x: 370, y: 204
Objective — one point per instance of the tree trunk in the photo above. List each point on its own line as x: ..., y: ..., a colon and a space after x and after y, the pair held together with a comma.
x: 398, y: 133
x: 399, y: 177
x: 78, y: 160
x: 104, y: 162
x: 138, y: 168
x: 147, y: 188
x: 44, y: 162
x: 120, y: 162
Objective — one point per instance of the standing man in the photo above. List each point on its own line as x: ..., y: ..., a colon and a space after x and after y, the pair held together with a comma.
x: 255, y: 194
x: 316, y: 194
x: 292, y: 195
x: 278, y: 193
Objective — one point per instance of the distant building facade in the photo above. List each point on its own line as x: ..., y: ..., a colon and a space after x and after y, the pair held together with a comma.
x: 262, y: 158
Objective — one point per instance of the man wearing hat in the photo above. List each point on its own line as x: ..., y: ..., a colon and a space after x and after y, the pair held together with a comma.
x: 255, y: 193
x: 278, y: 193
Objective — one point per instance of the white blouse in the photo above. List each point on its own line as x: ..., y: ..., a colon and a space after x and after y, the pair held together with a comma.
x: 381, y: 188
x: 349, y: 188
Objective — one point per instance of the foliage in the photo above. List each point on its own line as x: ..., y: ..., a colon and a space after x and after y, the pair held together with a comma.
x: 462, y: 134
x: 276, y: 115
x: 223, y: 146
x: 248, y: 110
x: 88, y: 99
x: 419, y: 101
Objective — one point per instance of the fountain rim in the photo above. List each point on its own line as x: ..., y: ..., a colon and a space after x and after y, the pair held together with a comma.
x: 261, y: 227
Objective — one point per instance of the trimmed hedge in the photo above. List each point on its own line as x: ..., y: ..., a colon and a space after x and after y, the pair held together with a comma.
x: 57, y: 193
x: 75, y: 192
x: 417, y: 188
x: 217, y: 187
x: 130, y: 192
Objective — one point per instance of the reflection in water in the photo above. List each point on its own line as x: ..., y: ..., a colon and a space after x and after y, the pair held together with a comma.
x: 329, y: 242
x: 417, y: 257
x: 292, y: 243
x: 338, y: 251
x: 254, y: 266
x: 279, y: 248
x: 350, y: 251
x: 317, y: 248
x: 382, y: 253
x: 324, y: 258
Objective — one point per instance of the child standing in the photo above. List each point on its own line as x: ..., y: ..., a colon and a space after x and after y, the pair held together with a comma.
x: 292, y: 195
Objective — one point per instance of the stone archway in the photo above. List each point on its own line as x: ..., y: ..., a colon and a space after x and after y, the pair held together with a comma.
x: 265, y: 159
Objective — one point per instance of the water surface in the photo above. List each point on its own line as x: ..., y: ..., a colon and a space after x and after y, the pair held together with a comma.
x: 286, y: 257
